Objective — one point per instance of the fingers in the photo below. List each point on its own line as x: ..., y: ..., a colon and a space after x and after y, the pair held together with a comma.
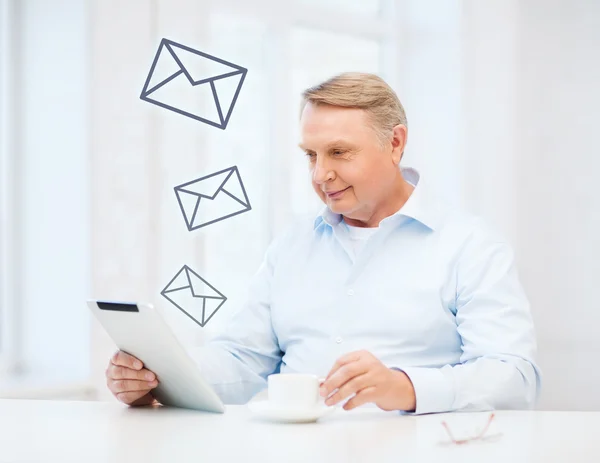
x: 123, y: 359
x: 362, y: 397
x: 348, y: 389
x: 136, y: 398
x: 132, y: 385
x: 130, y: 390
x: 342, y: 375
x: 129, y: 381
x: 343, y: 360
x: 115, y: 372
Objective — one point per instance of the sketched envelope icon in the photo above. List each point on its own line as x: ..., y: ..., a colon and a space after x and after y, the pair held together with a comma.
x: 212, y: 198
x: 193, y: 83
x: 193, y: 295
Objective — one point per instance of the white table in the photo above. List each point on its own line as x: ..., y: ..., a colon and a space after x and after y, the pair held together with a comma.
x: 56, y: 431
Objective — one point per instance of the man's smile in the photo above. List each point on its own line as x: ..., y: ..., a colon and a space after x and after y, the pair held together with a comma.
x: 335, y: 194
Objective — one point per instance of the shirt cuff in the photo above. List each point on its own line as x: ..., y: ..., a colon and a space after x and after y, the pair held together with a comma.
x: 434, y: 392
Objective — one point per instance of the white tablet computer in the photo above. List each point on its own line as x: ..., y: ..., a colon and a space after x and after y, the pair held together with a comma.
x: 139, y: 330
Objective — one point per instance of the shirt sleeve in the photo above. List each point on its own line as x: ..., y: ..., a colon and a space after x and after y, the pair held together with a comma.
x: 237, y: 362
x: 496, y: 369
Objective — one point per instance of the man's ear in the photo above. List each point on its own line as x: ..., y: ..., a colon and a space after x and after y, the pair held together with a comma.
x: 399, y: 137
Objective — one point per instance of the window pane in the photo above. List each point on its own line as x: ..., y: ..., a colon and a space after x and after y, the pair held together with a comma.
x: 234, y: 248
x: 316, y: 56
x: 370, y: 7
x: 225, y: 253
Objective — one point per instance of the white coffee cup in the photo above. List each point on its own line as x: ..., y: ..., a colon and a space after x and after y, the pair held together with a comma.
x: 294, y: 390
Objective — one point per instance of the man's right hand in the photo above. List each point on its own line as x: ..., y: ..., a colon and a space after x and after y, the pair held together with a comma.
x: 129, y: 381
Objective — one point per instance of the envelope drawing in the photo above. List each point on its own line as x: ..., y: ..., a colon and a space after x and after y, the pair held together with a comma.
x: 193, y: 295
x: 193, y: 83
x: 212, y: 198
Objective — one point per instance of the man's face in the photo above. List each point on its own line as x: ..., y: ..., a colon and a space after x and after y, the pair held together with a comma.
x: 351, y: 171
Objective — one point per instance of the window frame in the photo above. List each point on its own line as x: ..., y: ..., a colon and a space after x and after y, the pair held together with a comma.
x: 10, y: 328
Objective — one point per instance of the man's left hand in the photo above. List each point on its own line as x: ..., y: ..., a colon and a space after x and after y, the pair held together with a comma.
x: 361, y: 373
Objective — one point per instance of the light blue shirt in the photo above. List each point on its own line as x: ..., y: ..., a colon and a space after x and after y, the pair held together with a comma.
x: 433, y: 292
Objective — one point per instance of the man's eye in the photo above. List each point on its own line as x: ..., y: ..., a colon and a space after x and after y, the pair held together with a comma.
x: 310, y: 155
x: 338, y: 152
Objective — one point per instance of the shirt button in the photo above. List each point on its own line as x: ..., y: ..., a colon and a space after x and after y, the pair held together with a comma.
x: 338, y: 340
x: 350, y: 292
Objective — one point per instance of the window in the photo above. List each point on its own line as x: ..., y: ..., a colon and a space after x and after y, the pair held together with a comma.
x: 44, y: 259
x: 101, y: 214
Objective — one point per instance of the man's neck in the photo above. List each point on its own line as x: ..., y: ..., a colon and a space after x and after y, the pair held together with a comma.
x: 398, y: 197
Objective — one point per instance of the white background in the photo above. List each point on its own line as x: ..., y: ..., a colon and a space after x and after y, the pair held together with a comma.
x: 501, y: 98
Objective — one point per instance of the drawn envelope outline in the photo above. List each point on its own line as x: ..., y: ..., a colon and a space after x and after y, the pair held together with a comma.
x: 210, y: 292
x: 202, y: 188
x: 171, y: 47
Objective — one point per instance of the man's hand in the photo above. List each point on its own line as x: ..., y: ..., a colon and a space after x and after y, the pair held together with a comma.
x: 129, y: 381
x: 362, y: 374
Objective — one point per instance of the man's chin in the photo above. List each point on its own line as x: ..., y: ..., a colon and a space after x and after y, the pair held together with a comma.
x: 339, y: 207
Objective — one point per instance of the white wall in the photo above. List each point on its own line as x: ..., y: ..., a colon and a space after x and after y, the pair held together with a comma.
x: 556, y: 178
x: 532, y: 96
x: 489, y: 58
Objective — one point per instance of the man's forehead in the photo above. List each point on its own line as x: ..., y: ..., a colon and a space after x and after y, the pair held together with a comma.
x: 333, y: 125
x: 338, y: 141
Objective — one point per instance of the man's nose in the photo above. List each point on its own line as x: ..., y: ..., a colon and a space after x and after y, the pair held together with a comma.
x: 321, y: 172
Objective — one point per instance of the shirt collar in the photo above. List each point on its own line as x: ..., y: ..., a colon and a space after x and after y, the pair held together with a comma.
x: 419, y: 205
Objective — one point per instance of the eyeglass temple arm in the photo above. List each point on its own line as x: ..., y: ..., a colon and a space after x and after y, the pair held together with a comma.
x: 484, y: 430
x: 447, y: 428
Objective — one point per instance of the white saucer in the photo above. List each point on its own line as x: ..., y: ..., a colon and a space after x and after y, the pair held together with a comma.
x: 264, y: 409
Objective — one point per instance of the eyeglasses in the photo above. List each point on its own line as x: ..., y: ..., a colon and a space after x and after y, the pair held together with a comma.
x: 480, y: 436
